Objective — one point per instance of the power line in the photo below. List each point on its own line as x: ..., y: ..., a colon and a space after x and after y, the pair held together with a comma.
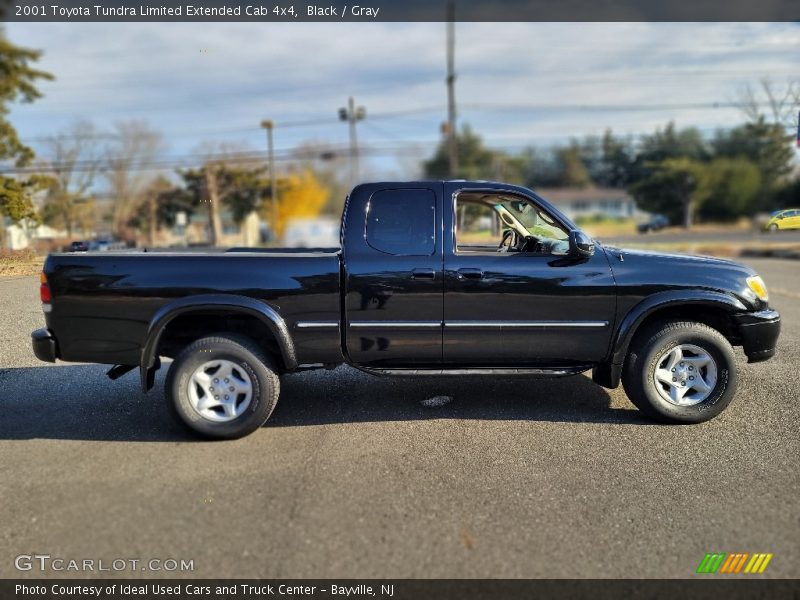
x: 605, y: 107
x: 487, y: 107
x: 472, y: 107
x: 290, y: 124
x: 192, y: 160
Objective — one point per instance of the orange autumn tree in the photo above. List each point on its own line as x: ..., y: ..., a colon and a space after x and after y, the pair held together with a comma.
x: 299, y: 196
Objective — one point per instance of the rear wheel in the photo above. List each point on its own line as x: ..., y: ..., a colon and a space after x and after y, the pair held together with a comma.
x: 680, y: 372
x: 222, y: 387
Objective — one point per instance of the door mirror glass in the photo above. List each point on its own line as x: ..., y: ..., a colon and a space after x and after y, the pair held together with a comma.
x: 580, y: 244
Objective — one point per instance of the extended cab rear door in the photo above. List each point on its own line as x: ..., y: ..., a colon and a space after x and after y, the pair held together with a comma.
x: 393, y: 280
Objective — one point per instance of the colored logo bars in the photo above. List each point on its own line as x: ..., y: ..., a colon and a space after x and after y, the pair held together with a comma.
x: 720, y: 562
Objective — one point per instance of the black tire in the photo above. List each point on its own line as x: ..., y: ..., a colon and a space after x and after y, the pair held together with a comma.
x: 651, y: 344
x: 773, y: 228
x: 247, y: 356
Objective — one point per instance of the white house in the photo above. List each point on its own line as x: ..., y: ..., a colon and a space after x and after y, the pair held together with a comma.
x: 592, y: 201
x: 25, y: 234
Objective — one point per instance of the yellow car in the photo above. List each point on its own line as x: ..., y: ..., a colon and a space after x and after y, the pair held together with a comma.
x: 784, y: 219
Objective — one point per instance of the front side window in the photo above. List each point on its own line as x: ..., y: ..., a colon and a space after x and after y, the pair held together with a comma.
x: 500, y: 222
x: 402, y: 222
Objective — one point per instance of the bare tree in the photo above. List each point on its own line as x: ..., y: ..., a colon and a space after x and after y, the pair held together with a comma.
x: 130, y: 162
x: 75, y: 161
x: 213, y: 198
x: 219, y: 156
x: 781, y: 102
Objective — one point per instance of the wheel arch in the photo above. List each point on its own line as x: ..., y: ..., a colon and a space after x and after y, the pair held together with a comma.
x: 223, y: 305
x: 709, y: 307
x: 704, y: 306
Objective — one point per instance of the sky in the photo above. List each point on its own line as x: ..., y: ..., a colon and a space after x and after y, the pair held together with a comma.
x: 518, y: 84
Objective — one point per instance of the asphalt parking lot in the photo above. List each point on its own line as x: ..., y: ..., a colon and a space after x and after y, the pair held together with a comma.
x: 354, y: 477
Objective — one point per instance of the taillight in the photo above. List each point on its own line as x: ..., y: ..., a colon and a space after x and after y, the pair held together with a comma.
x: 44, y: 290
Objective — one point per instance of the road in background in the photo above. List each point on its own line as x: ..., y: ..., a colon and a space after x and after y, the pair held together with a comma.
x: 675, y: 236
x: 353, y: 477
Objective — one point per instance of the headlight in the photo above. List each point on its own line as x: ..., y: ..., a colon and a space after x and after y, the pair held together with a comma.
x: 758, y: 286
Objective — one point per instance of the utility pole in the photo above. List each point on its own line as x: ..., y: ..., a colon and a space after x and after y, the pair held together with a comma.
x: 273, y: 193
x: 351, y: 114
x: 452, y: 145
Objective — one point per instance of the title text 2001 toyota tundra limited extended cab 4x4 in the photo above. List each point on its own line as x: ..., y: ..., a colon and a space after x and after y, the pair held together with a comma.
x: 432, y: 278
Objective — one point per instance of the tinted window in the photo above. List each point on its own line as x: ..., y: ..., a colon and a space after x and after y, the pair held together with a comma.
x: 402, y: 222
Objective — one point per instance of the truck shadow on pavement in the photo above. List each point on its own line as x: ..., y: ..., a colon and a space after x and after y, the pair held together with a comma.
x: 78, y: 402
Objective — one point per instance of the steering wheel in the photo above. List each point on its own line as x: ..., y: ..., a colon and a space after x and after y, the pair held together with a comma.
x: 510, y: 236
x: 531, y: 243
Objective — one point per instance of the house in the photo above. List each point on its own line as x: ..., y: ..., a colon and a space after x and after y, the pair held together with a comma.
x: 26, y: 234
x: 592, y: 202
x: 196, y: 231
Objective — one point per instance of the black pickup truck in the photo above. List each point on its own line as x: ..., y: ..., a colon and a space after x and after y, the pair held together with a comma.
x: 432, y: 278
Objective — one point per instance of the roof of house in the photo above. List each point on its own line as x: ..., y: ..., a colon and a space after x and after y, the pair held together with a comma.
x: 588, y: 194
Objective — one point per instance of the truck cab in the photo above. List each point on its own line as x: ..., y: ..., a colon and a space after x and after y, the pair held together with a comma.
x: 462, y: 275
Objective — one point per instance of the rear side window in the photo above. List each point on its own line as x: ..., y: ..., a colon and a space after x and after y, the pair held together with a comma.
x: 402, y: 222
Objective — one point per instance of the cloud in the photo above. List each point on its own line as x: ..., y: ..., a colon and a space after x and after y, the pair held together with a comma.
x: 203, y: 81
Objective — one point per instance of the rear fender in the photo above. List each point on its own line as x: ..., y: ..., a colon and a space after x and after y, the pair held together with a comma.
x: 218, y: 302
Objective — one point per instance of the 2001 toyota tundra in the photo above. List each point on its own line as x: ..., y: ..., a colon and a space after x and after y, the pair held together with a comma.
x: 432, y: 278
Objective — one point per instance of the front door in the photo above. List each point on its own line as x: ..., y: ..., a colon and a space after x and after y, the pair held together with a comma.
x: 393, y: 287
x: 512, y: 301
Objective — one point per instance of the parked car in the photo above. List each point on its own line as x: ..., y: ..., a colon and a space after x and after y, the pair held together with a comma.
x: 411, y: 294
x: 784, y: 219
x: 656, y: 223
x: 79, y: 246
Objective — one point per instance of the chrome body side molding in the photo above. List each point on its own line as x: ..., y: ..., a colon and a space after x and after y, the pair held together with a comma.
x: 559, y: 371
x: 316, y: 324
x: 531, y: 324
x: 394, y: 324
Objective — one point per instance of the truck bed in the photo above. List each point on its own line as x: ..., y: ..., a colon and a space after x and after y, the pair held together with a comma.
x: 104, y: 302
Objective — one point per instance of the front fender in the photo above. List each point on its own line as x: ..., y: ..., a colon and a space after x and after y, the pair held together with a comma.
x: 651, y: 304
x: 222, y: 302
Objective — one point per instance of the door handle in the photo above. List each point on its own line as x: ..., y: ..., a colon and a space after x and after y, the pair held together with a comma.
x: 469, y: 274
x: 423, y: 274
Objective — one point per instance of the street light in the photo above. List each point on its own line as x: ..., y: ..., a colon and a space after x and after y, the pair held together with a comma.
x: 351, y: 114
x: 269, y: 125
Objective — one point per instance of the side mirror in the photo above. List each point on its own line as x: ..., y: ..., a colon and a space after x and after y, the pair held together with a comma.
x: 580, y: 244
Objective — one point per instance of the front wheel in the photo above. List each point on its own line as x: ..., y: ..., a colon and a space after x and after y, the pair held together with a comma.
x: 773, y: 228
x: 680, y: 372
x: 222, y: 387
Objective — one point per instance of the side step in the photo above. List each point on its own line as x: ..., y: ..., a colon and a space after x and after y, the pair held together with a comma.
x: 559, y: 371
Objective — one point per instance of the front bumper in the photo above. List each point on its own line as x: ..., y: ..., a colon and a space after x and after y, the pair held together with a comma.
x: 759, y: 332
x: 44, y: 345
